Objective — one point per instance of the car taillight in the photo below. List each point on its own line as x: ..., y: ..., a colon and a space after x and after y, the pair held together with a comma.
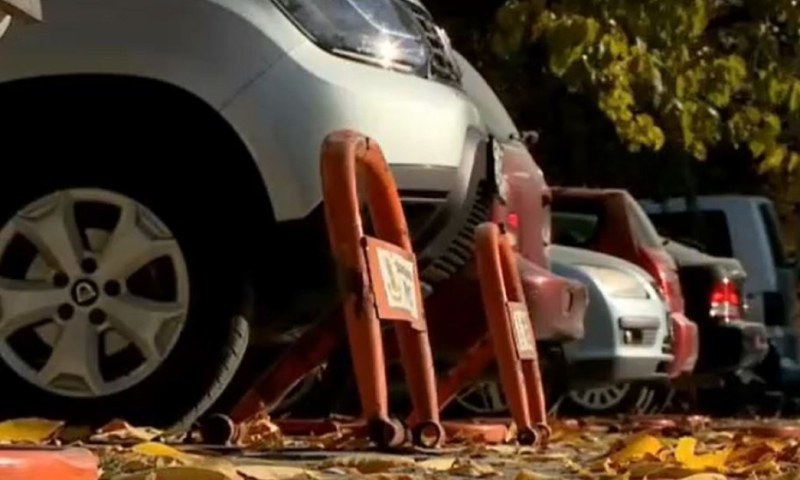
x: 662, y: 268
x: 725, y: 301
x: 512, y: 225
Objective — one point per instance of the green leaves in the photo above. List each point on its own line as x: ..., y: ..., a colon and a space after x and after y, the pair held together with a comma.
x: 688, y: 73
x: 568, y: 38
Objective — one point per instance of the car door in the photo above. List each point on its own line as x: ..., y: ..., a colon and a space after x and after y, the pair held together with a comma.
x: 783, y: 304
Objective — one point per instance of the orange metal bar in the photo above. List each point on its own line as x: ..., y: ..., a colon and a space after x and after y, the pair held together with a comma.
x: 503, y: 296
x: 346, y: 157
x: 494, y: 295
x: 309, y: 352
x: 363, y: 264
x: 531, y: 370
x: 46, y: 464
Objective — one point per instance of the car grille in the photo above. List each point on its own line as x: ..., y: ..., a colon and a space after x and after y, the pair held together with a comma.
x: 461, y: 250
x: 442, y: 66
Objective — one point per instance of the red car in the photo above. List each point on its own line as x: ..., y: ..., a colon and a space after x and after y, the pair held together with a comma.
x: 626, y: 232
x: 557, y: 305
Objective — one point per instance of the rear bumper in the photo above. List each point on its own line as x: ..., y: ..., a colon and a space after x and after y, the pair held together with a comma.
x: 685, y: 345
x: 731, y: 346
x: 556, y: 304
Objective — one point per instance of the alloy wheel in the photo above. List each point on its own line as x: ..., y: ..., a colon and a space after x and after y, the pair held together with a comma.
x: 94, y: 293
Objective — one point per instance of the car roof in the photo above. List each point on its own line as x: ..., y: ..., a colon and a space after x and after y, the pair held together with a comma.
x: 702, y: 201
x: 588, y: 192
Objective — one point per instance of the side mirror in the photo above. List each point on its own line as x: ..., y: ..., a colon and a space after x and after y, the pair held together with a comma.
x: 530, y: 138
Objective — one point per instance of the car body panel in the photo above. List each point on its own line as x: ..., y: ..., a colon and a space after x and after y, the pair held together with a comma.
x: 742, y: 233
x: 602, y: 356
x: 611, y: 222
x: 280, y: 92
x: 557, y: 305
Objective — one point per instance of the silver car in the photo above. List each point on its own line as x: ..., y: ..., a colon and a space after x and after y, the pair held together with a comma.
x: 166, y: 195
x: 618, y: 364
x: 626, y: 345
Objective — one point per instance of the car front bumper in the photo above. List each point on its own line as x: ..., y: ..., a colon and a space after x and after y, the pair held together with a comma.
x: 625, y: 339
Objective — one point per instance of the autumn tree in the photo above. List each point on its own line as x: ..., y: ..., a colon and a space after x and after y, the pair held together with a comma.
x: 691, y: 75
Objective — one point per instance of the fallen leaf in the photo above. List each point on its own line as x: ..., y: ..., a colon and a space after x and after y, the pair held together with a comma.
x: 470, y: 468
x: 685, y: 454
x: 637, y: 447
x: 122, y: 431
x: 177, y: 473
x: 664, y: 472
x: 439, y: 464
x: 29, y: 430
x: 370, y: 463
x: 391, y: 476
x: 155, y: 449
x: 259, y: 433
x: 770, y: 466
x: 72, y: 434
x: 645, y: 469
x: 706, y: 476
x: 274, y: 472
x: 529, y: 475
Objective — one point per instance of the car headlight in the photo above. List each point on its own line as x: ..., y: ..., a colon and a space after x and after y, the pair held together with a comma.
x: 615, y: 283
x: 383, y: 32
x: 501, y: 184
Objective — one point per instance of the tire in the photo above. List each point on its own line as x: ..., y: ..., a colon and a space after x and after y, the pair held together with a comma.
x: 628, y: 398
x: 232, y: 360
x: 213, y: 338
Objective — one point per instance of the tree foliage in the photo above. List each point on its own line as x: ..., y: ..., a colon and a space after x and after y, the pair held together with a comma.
x: 687, y: 75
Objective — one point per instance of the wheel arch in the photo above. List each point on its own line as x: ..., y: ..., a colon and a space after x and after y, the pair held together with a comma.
x: 115, y: 112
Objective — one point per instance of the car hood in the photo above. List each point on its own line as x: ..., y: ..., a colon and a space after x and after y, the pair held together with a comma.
x: 581, y: 256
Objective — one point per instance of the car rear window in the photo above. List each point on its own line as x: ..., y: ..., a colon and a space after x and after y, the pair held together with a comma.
x: 775, y: 243
x: 574, y: 229
x: 707, y: 228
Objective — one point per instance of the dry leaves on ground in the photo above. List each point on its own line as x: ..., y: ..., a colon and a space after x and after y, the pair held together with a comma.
x: 600, y: 450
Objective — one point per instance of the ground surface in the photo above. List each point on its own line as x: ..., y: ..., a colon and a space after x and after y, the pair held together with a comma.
x: 642, y: 447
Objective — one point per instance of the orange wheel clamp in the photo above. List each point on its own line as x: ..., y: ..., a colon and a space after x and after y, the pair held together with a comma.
x: 378, y: 281
x: 47, y: 463
x: 510, y: 339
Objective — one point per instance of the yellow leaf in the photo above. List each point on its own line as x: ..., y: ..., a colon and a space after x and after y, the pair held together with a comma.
x: 684, y: 453
x: 371, y: 463
x: 638, y: 447
x: 28, y: 430
x: 439, y: 464
x: 121, y: 431
x: 155, y: 449
x: 274, y: 472
x: 529, y: 475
